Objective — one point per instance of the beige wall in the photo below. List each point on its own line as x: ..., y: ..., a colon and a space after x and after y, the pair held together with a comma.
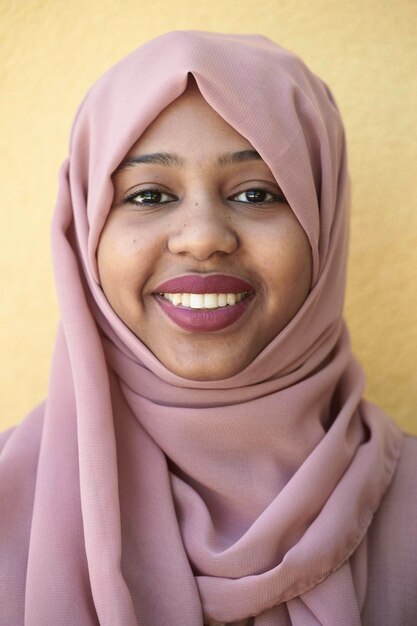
x: 51, y: 52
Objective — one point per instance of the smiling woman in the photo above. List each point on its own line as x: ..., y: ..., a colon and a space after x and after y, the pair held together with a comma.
x: 205, y: 456
x: 180, y: 248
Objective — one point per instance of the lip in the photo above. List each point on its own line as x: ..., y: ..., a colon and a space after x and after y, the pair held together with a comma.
x: 212, y: 283
x: 204, y: 320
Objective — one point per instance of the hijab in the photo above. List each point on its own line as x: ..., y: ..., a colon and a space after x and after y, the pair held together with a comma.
x: 137, y: 497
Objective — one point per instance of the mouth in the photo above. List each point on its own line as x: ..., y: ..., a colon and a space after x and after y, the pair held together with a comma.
x: 204, y: 303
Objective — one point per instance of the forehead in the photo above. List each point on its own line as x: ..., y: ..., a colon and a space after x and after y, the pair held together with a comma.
x: 190, y: 126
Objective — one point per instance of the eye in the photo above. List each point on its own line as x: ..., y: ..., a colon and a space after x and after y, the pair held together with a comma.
x: 257, y: 196
x: 149, y: 197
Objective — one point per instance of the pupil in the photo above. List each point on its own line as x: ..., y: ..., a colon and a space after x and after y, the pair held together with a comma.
x: 256, y: 195
x: 151, y: 196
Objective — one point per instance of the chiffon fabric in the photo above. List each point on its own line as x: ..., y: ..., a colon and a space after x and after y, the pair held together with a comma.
x: 162, y: 501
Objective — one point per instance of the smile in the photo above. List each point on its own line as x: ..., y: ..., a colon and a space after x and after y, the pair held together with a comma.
x: 202, y: 303
x: 205, y: 300
x: 201, y: 318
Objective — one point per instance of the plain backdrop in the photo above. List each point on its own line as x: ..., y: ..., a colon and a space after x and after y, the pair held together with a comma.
x: 366, y: 50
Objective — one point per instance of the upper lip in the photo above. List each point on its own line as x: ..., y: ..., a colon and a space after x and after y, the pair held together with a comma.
x: 198, y: 283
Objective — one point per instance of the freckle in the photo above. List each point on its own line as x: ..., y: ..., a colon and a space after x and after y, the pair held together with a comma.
x: 134, y: 241
x: 196, y: 204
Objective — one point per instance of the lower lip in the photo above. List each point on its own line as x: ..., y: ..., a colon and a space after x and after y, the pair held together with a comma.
x: 204, y: 320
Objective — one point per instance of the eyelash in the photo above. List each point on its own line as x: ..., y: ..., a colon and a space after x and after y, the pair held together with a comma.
x: 274, y: 197
x: 131, y: 198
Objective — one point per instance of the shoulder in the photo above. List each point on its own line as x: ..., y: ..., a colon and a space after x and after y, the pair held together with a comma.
x: 392, y: 548
x: 400, y: 500
x: 19, y: 453
x: 23, y: 438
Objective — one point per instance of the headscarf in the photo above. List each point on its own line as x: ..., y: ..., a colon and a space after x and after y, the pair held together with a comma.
x: 160, y: 500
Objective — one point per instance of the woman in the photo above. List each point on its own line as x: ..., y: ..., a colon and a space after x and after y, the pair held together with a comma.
x: 204, y: 455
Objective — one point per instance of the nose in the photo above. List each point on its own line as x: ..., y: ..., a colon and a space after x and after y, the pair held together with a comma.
x: 202, y: 231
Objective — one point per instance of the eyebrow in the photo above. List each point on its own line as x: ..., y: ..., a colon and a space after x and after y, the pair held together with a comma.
x: 168, y: 159
x: 156, y: 158
x: 231, y: 158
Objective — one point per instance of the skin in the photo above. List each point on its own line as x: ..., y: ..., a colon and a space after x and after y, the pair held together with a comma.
x: 198, y: 219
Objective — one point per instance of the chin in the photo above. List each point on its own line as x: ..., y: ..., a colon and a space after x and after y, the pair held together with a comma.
x: 203, y: 371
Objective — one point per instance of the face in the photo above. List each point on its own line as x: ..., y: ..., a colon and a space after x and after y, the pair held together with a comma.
x: 201, y: 256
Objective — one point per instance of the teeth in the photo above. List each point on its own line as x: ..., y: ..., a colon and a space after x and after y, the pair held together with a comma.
x: 204, y: 300
x: 210, y: 301
x: 197, y: 300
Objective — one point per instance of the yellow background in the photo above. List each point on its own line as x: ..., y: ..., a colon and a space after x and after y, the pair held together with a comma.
x: 366, y: 50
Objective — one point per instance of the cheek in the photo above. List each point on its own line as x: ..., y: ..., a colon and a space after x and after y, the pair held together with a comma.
x: 124, y: 258
x: 298, y: 262
x: 287, y: 266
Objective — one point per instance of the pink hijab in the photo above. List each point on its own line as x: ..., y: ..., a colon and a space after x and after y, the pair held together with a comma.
x: 136, y: 497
